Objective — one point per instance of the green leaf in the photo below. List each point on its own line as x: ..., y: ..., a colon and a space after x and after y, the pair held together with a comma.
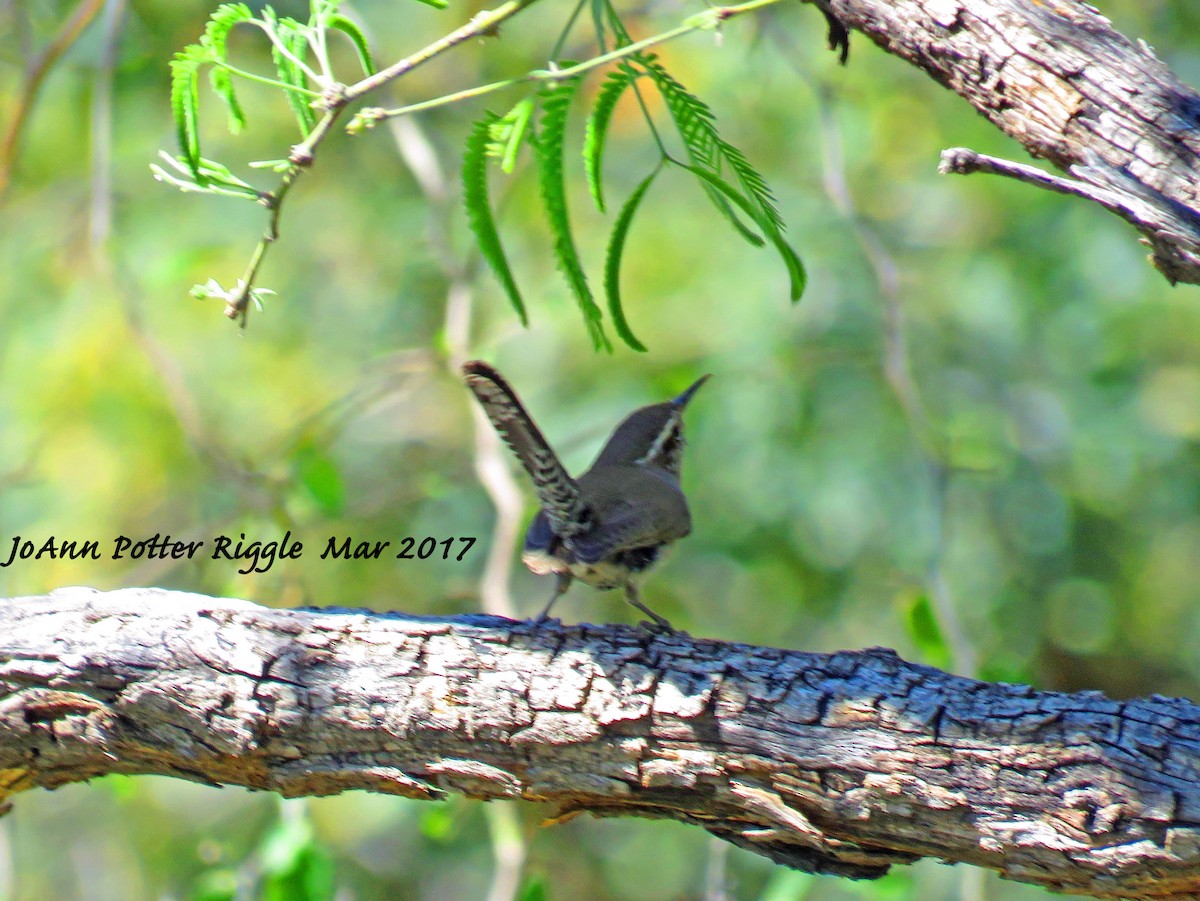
x: 218, y: 172
x: 291, y: 35
x: 696, y: 124
x: 318, y: 474
x: 320, y: 11
x: 534, y: 888
x: 220, y: 23
x: 215, y: 885
x: 438, y: 823
x: 295, y: 867
x: 612, y: 261
x: 719, y: 186
x: 620, y: 35
x: 599, y: 10
x: 222, y: 85
x: 711, y: 153
x: 185, y: 104
x: 312, y: 879
x: 597, y: 128
x: 479, y: 210
x: 697, y: 127
x: 1007, y: 669
x: 350, y: 28
x: 214, y: 178
x: 556, y: 101
x: 797, y: 276
x: 207, y: 186
x: 507, y: 133
x: 925, y: 632
x: 787, y: 885
x: 284, y: 842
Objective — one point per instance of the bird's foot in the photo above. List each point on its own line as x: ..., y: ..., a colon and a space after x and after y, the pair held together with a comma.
x: 658, y: 624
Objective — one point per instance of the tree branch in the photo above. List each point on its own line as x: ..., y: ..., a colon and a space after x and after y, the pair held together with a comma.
x: 843, y: 763
x: 1060, y: 80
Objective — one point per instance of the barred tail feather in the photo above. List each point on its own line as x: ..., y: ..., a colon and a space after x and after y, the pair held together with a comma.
x: 557, y: 492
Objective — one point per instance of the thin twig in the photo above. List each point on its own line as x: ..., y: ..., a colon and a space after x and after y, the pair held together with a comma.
x: 6, y: 860
x: 304, y: 153
x: 702, y: 22
x: 509, y: 849
x: 1096, y: 180
x: 716, y: 871
x: 100, y: 209
x: 35, y: 76
x: 286, y: 53
x: 484, y: 24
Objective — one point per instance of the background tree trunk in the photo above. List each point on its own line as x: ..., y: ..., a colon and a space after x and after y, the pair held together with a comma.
x: 843, y: 763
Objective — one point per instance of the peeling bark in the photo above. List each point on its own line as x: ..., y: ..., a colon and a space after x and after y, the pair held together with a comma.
x: 1056, y: 76
x: 843, y: 763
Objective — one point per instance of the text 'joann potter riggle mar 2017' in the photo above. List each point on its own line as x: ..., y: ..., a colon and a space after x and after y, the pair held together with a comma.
x: 259, y: 555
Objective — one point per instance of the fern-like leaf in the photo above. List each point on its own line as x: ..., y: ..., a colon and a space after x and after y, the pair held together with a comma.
x: 797, y: 275
x: 705, y: 147
x: 612, y: 262
x: 216, y: 179
x: 291, y: 34
x: 321, y: 11
x: 604, y: 14
x: 556, y: 101
x: 599, y: 12
x: 479, y: 210
x: 507, y: 133
x: 185, y: 104
x: 596, y: 132
x: 220, y: 23
x: 701, y: 154
x: 751, y: 181
x: 724, y: 188
x: 720, y: 160
x: 350, y: 28
x: 222, y: 85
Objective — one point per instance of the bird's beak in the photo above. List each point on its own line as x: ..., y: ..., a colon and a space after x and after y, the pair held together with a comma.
x: 680, y: 402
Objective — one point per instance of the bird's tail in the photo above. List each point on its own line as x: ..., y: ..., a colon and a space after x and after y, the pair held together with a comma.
x: 557, y: 492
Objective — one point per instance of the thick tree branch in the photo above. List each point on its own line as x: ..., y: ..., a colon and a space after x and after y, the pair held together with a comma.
x: 1056, y: 77
x: 841, y: 763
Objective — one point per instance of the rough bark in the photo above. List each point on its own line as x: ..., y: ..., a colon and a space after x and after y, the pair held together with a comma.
x: 843, y: 763
x: 1056, y: 76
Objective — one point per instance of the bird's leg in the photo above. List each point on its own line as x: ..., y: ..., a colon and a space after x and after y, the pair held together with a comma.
x: 631, y: 595
x: 561, y: 584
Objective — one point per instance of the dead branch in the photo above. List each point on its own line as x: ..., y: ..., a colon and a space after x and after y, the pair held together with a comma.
x: 1060, y: 80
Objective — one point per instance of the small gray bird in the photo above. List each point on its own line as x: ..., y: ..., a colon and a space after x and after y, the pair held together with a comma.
x: 609, y: 524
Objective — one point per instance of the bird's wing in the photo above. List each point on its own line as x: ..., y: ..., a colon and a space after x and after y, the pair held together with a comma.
x: 635, y: 518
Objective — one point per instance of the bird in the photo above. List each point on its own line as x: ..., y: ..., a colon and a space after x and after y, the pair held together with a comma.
x: 610, y: 524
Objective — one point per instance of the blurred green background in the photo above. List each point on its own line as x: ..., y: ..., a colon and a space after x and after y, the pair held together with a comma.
x: 1024, y: 505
